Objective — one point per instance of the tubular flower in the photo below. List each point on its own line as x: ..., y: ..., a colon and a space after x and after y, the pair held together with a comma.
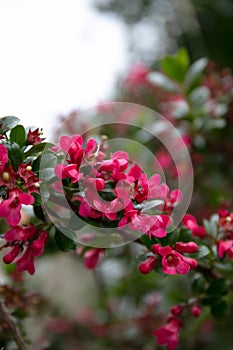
x: 28, y: 241
x: 225, y: 247
x: 3, y: 157
x: 174, y: 262
x: 33, y: 137
x: 10, y: 208
x: 191, y: 223
x: 169, y: 333
x: 91, y: 257
x: 148, y: 265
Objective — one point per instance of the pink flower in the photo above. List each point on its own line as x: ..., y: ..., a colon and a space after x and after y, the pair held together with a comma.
x: 12, y: 253
x: 38, y: 244
x: 24, y: 237
x: 26, y: 261
x: 85, y: 210
x: 225, y: 247
x: 169, y: 333
x: 157, y: 190
x: 33, y: 137
x: 91, y: 147
x: 196, y: 310
x: 190, y: 222
x: 66, y: 142
x: 67, y: 171
x: 116, y: 165
x: 91, y: 257
x: 189, y: 247
x: 159, y: 226
x: 20, y: 234
x: 73, y: 147
x: 173, y: 262
x: 137, y: 75
x: 3, y: 157
x: 31, y: 182
x: 8, y: 177
x: 148, y: 265
x: 176, y: 310
x: 10, y: 208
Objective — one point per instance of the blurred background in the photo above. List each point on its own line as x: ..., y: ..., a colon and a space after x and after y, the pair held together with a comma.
x: 57, y: 56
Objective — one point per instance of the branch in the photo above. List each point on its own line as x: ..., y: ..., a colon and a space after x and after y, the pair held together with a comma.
x: 5, y: 317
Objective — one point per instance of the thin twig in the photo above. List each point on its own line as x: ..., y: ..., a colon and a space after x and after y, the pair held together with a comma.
x: 5, y: 317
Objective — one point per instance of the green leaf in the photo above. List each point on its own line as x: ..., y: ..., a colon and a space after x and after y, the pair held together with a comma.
x: 176, y: 66
x: 36, y: 149
x: 18, y: 135
x: 64, y: 243
x: 195, y: 74
x: 147, y: 241
x: 49, y: 160
x: 37, y: 197
x: 211, y: 227
x: 217, y: 288
x: 173, y: 237
x: 7, y: 123
x: 14, y: 154
x: 185, y: 235
x: 46, y: 174
x: 203, y: 251
x: 219, y: 309
x: 160, y: 80
x: 198, y: 284
x: 199, y: 97
x: 38, y: 211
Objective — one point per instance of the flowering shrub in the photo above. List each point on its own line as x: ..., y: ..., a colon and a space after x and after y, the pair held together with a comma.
x: 108, y: 190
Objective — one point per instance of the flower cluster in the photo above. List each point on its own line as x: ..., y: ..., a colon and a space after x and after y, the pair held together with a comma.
x: 171, y: 259
x: 19, y: 185
x: 169, y: 333
x: 114, y: 188
x: 25, y: 244
x: 16, y: 188
x: 225, y: 236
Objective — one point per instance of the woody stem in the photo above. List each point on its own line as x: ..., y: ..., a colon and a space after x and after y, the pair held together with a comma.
x: 7, y: 319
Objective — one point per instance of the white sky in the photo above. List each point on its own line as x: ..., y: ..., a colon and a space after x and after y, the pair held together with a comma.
x: 56, y: 56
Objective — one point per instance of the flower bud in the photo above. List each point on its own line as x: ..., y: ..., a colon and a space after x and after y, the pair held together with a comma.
x: 12, y: 254
x: 190, y: 247
x: 196, y: 311
x: 147, y: 265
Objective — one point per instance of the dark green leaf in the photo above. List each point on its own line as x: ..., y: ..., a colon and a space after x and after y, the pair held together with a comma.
x: 7, y: 123
x: 185, y: 235
x: 176, y: 66
x: 36, y: 164
x: 147, y: 241
x: 37, y: 198
x: 217, y: 288
x: 14, y: 154
x: 198, y: 284
x: 63, y: 242
x: 219, y: 310
x: 38, y: 211
x: 34, y: 150
x: 18, y: 135
x: 173, y: 237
